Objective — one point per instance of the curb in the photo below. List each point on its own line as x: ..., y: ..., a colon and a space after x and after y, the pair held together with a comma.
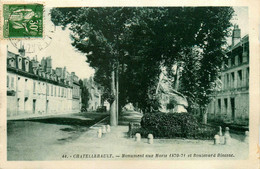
x: 98, y: 122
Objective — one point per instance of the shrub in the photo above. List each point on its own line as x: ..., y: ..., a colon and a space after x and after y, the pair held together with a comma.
x: 204, y: 133
x: 174, y: 125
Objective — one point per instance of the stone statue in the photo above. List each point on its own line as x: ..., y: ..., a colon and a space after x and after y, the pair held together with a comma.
x: 170, y: 100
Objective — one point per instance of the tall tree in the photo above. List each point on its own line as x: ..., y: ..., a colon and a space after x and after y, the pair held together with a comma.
x: 187, y: 38
x: 97, y: 33
x: 136, y: 41
x: 85, y: 95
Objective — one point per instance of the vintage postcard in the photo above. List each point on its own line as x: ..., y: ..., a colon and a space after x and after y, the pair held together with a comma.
x: 89, y: 84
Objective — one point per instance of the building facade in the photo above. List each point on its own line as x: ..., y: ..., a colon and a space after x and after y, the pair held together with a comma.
x: 94, y: 94
x: 231, y: 103
x: 35, y: 89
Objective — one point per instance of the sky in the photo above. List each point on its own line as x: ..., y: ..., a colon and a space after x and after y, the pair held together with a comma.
x: 241, y: 19
x: 60, y: 50
x: 64, y: 54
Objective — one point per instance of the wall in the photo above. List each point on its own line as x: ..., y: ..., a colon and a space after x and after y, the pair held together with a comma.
x: 33, y: 98
x: 235, y: 86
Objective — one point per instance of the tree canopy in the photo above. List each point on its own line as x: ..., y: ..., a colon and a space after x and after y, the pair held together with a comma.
x: 137, y: 40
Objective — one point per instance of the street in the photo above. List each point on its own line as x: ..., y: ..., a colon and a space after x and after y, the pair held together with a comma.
x: 69, y: 137
x: 39, y: 137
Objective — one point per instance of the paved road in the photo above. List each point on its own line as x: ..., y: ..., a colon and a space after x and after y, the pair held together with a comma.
x: 27, y: 138
x: 69, y: 137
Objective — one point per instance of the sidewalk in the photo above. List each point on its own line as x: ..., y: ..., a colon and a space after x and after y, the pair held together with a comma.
x: 117, y: 146
x: 30, y: 116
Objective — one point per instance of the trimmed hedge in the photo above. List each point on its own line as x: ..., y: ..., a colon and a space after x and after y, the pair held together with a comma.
x: 174, y: 125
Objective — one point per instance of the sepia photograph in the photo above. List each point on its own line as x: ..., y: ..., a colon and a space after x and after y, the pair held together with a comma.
x: 126, y: 83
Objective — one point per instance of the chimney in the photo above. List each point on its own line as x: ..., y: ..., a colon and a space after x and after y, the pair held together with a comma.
x: 64, y: 72
x: 49, y: 64
x: 236, y: 35
x: 35, y: 63
x: 43, y: 63
x: 59, y: 71
x: 22, y: 51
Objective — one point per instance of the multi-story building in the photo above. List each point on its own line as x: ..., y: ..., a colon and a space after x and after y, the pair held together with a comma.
x: 231, y: 103
x: 76, y: 92
x: 95, y: 94
x: 35, y: 89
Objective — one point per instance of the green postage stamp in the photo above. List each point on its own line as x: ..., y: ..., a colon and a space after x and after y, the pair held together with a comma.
x: 23, y: 20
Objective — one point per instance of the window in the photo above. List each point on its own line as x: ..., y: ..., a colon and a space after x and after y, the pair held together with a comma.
x: 240, y: 78
x: 43, y: 89
x: 47, y: 89
x: 226, y: 104
x: 227, y: 81
x: 34, y: 71
x: 247, y: 76
x: 25, y: 83
x: 240, y: 58
x: 7, y: 81
x: 39, y: 88
x: 219, y: 105
x: 18, y: 83
x: 246, y: 51
x: 26, y: 66
x: 34, y: 87
x: 232, y: 80
x: 11, y: 62
x: 20, y: 63
x: 52, y: 90
x: 233, y: 63
x: 12, y: 82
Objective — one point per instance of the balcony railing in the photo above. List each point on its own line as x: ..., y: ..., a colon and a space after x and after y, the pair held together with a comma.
x: 75, y: 97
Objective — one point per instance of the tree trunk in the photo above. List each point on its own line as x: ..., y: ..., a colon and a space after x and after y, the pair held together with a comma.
x: 113, y: 119
x: 204, y: 116
x: 117, y: 94
x: 176, y: 79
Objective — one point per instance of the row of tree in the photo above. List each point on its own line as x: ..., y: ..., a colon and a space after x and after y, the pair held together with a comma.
x: 129, y: 44
x: 85, y: 95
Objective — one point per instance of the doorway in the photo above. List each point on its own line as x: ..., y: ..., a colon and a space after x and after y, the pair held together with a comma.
x: 25, y: 104
x: 47, y: 106
x: 232, y: 102
x: 34, y: 105
x: 18, y: 106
